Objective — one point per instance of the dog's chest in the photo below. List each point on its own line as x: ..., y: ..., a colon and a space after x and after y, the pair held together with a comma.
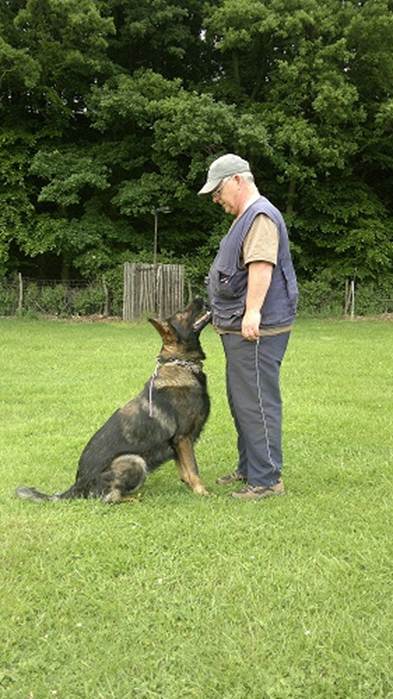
x: 186, y: 393
x: 176, y: 377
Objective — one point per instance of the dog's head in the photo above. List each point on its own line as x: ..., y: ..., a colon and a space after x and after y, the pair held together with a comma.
x: 180, y: 333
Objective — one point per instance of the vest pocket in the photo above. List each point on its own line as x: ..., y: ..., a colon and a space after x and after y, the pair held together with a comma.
x: 231, y: 286
x: 230, y: 319
x: 290, y: 282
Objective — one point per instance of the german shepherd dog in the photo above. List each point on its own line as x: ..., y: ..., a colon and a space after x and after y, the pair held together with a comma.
x: 161, y: 423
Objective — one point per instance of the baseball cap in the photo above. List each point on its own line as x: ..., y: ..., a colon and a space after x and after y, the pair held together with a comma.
x: 225, y: 166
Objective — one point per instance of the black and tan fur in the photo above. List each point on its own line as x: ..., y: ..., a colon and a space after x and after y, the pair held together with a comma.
x: 160, y: 424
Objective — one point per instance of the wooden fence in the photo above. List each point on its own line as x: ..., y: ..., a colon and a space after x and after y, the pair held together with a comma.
x: 156, y: 290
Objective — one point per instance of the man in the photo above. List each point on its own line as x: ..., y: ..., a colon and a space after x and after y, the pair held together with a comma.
x: 253, y: 295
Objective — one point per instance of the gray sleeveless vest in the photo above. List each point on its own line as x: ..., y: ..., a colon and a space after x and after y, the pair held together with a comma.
x: 227, y: 280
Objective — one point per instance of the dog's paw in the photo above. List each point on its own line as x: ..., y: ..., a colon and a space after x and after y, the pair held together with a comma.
x: 201, y: 490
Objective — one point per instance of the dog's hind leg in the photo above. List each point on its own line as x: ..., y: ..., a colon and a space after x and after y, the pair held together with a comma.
x: 124, y: 476
x: 187, y: 465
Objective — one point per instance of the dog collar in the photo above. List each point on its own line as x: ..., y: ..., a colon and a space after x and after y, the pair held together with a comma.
x: 188, y: 364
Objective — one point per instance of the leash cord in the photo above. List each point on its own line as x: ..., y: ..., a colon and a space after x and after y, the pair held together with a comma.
x: 151, y: 385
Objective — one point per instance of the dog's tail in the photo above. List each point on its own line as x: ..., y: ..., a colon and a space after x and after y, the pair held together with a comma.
x: 33, y: 494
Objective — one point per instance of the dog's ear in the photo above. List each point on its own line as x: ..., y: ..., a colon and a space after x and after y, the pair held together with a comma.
x: 162, y: 327
x: 178, y: 329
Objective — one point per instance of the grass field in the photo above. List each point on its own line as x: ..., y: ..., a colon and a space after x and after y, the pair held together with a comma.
x: 180, y: 597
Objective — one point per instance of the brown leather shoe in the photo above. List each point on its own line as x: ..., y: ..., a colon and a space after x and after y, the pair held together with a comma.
x: 257, y: 492
x: 230, y: 478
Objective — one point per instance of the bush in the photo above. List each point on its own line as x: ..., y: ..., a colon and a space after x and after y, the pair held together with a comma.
x: 58, y: 299
x: 319, y: 297
x: 323, y: 295
x: 374, y: 298
x: 114, y: 281
x: 8, y: 299
x: 88, y: 301
x: 31, y: 297
x: 53, y: 300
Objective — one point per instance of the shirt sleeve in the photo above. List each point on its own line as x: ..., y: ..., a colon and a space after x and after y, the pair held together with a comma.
x: 261, y: 241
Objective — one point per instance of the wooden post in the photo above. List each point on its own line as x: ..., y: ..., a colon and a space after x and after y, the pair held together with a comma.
x: 125, y: 274
x: 155, y: 243
x: 352, y: 299
x: 346, y: 297
x: 132, y: 285
x: 158, y: 293
x: 106, y: 296
x: 349, y: 301
x: 152, y: 289
x: 20, y: 299
x: 129, y: 291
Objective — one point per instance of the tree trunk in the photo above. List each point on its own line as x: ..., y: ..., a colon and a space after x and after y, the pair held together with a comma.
x: 65, y: 268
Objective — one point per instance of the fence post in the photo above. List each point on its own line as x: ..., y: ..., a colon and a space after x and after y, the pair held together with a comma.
x: 129, y: 291
x: 152, y: 289
x: 189, y: 289
x: 106, y: 296
x: 20, y: 299
x: 349, y: 304
x: 158, y: 309
x: 352, y: 299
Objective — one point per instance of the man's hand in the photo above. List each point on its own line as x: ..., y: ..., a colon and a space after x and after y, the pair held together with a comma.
x: 250, y: 325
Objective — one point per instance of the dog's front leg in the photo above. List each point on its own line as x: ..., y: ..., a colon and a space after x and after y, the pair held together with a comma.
x: 187, y: 465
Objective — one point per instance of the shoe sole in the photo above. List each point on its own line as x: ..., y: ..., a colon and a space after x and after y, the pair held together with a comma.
x: 231, y: 482
x: 255, y: 496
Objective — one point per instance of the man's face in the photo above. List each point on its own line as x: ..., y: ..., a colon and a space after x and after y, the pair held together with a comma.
x: 227, y: 195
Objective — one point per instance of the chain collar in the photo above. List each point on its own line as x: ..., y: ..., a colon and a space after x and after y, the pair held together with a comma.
x: 186, y: 363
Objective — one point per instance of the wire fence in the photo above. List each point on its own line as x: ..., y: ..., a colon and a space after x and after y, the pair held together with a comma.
x: 138, y: 290
x: 25, y: 295
x: 78, y: 298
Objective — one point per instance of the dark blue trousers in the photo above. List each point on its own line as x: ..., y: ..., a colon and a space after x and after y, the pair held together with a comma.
x: 253, y: 389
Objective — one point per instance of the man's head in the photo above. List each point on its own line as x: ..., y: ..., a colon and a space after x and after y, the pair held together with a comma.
x: 230, y: 183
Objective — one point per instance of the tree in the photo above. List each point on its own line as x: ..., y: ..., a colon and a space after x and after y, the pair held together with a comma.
x: 161, y: 35
x: 297, y: 66
x: 50, y: 54
x: 112, y: 108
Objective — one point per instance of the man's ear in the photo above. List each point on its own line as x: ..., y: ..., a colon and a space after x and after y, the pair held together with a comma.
x: 162, y: 327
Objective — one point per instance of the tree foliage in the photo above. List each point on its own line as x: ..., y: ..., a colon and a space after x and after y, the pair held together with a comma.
x: 111, y: 109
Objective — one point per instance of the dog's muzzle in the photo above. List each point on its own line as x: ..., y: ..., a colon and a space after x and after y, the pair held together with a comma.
x: 204, y: 320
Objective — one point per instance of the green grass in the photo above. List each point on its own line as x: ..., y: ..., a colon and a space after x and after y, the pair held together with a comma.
x: 176, y: 596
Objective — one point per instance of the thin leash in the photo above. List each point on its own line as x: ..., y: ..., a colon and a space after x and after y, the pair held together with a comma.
x: 151, y: 384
